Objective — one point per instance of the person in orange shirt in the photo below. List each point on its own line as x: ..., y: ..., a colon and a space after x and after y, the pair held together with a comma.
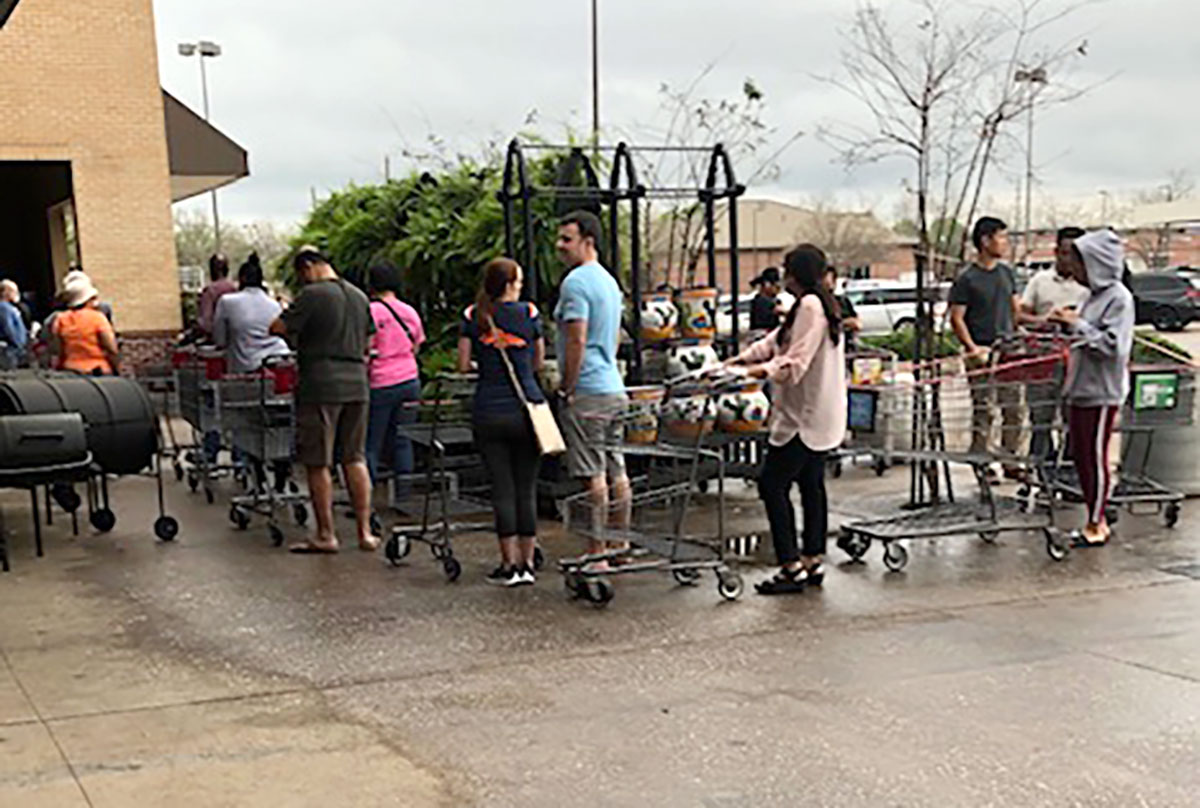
x: 83, y: 338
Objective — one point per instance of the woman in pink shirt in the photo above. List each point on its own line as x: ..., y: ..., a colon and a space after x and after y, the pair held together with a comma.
x: 804, y: 359
x: 394, y: 376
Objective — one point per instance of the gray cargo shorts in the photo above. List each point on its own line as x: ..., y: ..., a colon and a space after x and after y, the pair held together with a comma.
x: 592, y: 429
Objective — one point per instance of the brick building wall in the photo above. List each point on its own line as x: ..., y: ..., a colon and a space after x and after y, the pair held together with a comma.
x: 79, y: 82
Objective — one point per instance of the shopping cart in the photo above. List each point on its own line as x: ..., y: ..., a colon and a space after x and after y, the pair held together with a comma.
x: 451, y: 496
x: 161, y: 385
x: 659, y: 530
x: 872, y: 433
x: 945, y: 410
x: 1162, y: 393
x: 260, y: 414
x: 198, y: 376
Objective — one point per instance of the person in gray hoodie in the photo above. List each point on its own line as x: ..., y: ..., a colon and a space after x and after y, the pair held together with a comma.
x: 1098, y: 373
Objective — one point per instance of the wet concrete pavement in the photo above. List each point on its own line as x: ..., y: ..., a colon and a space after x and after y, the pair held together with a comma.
x: 221, y: 671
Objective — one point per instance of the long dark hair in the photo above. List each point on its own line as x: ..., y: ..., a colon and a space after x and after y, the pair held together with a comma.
x: 806, y: 265
x: 493, y: 282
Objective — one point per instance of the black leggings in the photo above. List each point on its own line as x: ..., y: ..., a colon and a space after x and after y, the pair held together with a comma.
x: 785, y: 466
x: 510, y: 453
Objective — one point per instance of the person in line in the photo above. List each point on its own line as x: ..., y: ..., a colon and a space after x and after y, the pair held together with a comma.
x: 394, y: 377
x: 77, y: 276
x: 218, y: 287
x: 242, y: 321
x: 329, y: 325
x: 851, y: 323
x: 1098, y: 377
x: 805, y: 361
x: 500, y: 332
x: 764, y: 308
x: 1047, y: 291
x: 14, y: 336
x: 984, y: 307
x: 592, y: 391
x: 81, y: 336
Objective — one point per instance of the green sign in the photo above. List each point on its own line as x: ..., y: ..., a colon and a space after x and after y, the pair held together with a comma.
x: 1155, y: 391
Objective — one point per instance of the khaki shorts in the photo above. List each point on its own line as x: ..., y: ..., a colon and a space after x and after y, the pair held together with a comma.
x: 592, y: 430
x: 321, y: 427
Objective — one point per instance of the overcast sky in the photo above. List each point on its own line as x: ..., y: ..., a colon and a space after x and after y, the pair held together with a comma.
x: 319, y: 93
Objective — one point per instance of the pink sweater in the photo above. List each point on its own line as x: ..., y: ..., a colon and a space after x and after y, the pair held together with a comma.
x: 808, y: 381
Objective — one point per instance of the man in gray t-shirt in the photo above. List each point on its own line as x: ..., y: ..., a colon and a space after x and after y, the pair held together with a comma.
x: 983, y: 308
x: 329, y: 325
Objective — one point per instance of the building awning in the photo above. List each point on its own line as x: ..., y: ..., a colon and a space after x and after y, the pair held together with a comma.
x: 201, y: 157
x: 7, y: 7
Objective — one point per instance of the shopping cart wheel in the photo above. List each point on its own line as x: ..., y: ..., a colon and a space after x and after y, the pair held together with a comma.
x: 989, y: 536
x: 835, y: 468
x: 300, y: 514
x: 452, y: 568
x: 880, y: 468
x: 1054, y: 545
x: 599, y: 592
x: 193, y: 482
x: 240, y: 518
x: 702, y: 487
x: 376, y: 525
x: 730, y: 585
x: 574, y: 584
x: 104, y: 520
x: 539, y: 558
x: 1112, y: 515
x: 166, y: 528
x: 397, y: 548
x: 686, y: 577
x: 276, y: 535
x: 895, y: 556
x: 1171, y: 514
x: 178, y: 473
x: 440, y: 551
x: 854, y: 545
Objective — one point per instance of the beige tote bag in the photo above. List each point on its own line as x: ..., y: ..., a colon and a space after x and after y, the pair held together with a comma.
x: 541, y: 418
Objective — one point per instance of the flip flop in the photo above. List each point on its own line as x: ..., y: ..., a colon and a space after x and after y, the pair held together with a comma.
x: 1080, y: 542
x: 372, y: 546
x: 308, y: 548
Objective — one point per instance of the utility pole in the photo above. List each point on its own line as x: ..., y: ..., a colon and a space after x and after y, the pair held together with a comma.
x: 206, y: 50
x: 595, y: 73
x: 1034, y: 78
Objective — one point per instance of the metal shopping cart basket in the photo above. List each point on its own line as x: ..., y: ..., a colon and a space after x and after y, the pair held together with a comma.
x: 260, y: 413
x: 451, y: 496
x: 659, y: 529
x: 198, y: 376
x: 944, y: 416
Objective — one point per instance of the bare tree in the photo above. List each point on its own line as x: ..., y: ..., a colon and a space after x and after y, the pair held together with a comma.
x: 849, y: 238
x: 694, y: 120
x: 941, y: 90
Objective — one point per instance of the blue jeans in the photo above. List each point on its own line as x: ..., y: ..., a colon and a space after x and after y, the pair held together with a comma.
x: 388, y: 411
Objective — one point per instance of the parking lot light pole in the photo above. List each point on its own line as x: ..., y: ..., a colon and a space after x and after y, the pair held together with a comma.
x: 206, y: 50
x: 1034, y: 78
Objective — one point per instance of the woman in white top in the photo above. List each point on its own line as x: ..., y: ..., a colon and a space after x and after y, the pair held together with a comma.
x: 804, y: 359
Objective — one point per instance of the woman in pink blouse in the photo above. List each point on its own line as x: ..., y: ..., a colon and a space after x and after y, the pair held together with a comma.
x: 804, y: 359
x: 394, y: 376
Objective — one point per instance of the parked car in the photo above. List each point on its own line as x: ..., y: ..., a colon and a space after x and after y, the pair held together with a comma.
x: 1167, y: 300
x: 887, y: 307
x: 725, y: 312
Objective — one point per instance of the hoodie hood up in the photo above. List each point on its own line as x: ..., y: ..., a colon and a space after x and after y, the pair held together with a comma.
x: 1103, y: 257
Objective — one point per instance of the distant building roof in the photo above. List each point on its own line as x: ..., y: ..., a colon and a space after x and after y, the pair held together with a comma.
x: 766, y: 224
x: 1181, y: 211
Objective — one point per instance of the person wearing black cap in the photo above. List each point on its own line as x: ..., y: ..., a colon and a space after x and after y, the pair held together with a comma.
x: 764, y: 315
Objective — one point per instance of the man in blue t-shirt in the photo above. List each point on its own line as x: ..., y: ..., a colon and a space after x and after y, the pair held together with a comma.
x: 588, y: 315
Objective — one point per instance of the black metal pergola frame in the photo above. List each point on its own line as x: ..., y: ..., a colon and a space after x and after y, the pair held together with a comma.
x: 517, y: 193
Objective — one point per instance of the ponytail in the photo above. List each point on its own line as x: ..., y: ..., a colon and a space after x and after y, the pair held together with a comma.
x: 494, y: 281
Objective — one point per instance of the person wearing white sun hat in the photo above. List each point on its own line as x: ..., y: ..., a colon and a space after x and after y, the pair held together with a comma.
x: 82, y: 336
